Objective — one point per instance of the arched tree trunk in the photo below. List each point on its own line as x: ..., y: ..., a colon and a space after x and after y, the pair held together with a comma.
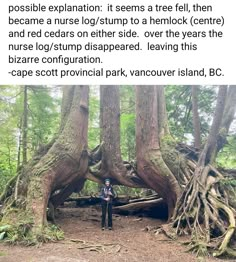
x: 151, y: 166
x: 64, y: 162
x: 191, y: 190
x: 111, y: 164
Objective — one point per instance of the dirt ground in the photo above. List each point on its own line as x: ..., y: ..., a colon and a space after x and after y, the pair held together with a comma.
x: 129, y: 241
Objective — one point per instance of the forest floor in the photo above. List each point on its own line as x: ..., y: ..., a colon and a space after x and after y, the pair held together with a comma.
x: 129, y: 241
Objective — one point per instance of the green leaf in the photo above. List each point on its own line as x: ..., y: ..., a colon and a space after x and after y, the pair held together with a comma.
x: 2, y: 235
x: 5, y: 228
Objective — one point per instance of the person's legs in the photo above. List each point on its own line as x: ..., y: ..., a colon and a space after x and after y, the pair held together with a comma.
x: 104, y: 210
x: 110, y: 216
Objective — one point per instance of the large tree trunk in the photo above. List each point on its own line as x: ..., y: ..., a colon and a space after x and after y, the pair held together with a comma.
x: 111, y: 164
x: 62, y: 166
x: 66, y: 161
x: 203, y: 209
x: 151, y: 166
x: 163, y: 126
x: 196, y: 120
x: 67, y: 100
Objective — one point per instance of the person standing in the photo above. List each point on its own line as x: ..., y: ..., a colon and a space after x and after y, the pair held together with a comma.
x: 107, y: 195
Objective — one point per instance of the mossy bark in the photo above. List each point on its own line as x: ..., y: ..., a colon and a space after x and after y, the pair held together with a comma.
x: 111, y: 164
x: 66, y: 161
x: 151, y: 166
x: 203, y: 209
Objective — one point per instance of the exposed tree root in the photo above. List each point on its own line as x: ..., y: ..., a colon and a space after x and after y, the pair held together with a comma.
x: 203, y: 212
x: 53, y: 167
x: 93, y: 246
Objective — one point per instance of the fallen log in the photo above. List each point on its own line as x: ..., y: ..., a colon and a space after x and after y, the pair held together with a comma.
x: 155, y: 196
x: 94, y: 200
x: 154, y: 208
x: 84, y: 201
x: 139, y: 205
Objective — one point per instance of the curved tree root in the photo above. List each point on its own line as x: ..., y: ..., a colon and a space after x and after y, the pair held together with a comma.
x: 203, y: 212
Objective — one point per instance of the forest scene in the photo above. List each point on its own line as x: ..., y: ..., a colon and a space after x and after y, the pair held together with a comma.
x: 168, y: 151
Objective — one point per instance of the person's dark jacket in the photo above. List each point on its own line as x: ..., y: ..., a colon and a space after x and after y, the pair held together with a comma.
x: 105, y: 193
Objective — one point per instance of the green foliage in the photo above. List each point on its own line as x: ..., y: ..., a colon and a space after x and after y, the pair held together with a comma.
x: 228, y: 182
x: 51, y: 233
x: 90, y: 188
x: 168, y: 140
x: 2, y: 235
x: 21, y: 233
x: 2, y: 254
x: 43, y: 122
x: 123, y: 190
x: 44, y: 116
x: 8, y: 133
x: 5, y: 228
x: 17, y: 232
x: 179, y: 108
x: 127, y: 120
x: 128, y: 136
x: 227, y: 157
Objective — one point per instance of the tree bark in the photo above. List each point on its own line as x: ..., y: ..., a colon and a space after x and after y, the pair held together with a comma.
x: 65, y: 162
x: 163, y: 126
x: 150, y: 165
x: 111, y: 164
x: 25, y: 125
x: 67, y: 99
x: 228, y: 117
x: 209, y: 152
x: 199, y: 209
x: 196, y: 120
x: 62, y: 166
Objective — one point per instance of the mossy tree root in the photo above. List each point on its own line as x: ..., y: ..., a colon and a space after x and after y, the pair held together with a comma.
x: 203, y: 211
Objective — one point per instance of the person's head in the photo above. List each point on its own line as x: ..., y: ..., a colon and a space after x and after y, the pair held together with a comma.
x: 107, y: 182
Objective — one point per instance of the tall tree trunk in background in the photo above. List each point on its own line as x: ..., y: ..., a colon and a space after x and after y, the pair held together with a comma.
x: 230, y: 108
x: 25, y: 125
x: 163, y: 126
x: 67, y: 99
x: 204, y: 198
x: 150, y: 164
x: 111, y: 164
x: 65, y: 161
x: 208, y: 154
x: 228, y: 117
x: 19, y: 147
x: 191, y: 190
x: 196, y: 120
x: 101, y: 112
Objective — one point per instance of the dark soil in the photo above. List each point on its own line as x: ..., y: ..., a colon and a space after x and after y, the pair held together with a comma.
x: 131, y: 240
